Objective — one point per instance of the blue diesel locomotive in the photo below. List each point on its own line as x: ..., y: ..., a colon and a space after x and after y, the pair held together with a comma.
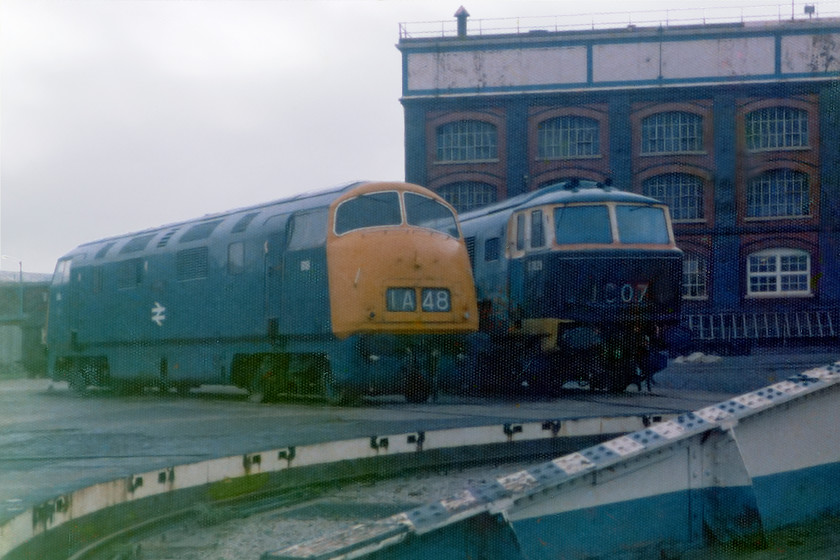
x: 362, y: 289
x: 575, y: 282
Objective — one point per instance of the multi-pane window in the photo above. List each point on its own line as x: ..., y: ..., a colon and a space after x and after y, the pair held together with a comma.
x: 568, y: 137
x: 682, y: 192
x: 468, y: 195
x: 467, y: 141
x: 779, y: 272
x: 695, y: 275
x: 778, y: 193
x: 670, y: 132
x: 776, y: 127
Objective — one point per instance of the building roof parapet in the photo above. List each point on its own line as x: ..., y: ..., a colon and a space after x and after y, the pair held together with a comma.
x: 681, y: 18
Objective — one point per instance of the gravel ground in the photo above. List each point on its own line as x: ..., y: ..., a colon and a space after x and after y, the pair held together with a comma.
x: 209, y: 536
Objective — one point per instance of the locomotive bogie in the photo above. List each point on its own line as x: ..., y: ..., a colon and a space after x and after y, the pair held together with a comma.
x: 272, y: 298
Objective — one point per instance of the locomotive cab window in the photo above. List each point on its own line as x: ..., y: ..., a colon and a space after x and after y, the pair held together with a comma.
x: 537, y: 229
x: 520, y: 232
x: 642, y: 224
x: 426, y: 212
x: 62, y: 272
x: 531, y: 226
x: 368, y: 210
x: 582, y: 224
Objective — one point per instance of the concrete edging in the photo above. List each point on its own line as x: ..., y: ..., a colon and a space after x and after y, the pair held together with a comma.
x: 86, y: 515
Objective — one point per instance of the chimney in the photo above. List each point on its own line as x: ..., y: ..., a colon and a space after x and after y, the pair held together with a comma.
x: 461, y: 15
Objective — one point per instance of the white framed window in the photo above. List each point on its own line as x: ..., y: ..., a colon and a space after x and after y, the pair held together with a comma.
x: 779, y: 273
x: 779, y: 193
x: 682, y: 192
x: 776, y: 128
x: 568, y: 137
x: 672, y: 132
x: 467, y: 141
x: 468, y: 195
x: 695, y: 277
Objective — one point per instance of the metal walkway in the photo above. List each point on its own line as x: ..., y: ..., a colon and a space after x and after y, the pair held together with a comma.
x: 726, y: 473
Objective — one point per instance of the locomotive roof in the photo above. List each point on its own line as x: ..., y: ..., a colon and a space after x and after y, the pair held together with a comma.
x: 301, y: 201
x: 305, y: 200
x: 560, y: 193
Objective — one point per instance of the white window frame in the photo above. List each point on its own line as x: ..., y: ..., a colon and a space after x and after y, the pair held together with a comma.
x: 769, y: 273
x: 695, y: 277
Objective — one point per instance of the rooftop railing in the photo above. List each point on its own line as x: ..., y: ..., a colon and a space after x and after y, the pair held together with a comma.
x: 743, y: 15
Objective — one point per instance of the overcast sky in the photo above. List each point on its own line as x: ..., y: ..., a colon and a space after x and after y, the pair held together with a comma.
x: 120, y: 115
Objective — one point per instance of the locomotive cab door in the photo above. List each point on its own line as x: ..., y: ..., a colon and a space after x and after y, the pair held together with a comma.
x: 274, y: 249
x: 304, y: 293
x: 530, y: 274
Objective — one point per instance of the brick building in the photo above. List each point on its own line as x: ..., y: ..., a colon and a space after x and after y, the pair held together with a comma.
x: 735, y: 125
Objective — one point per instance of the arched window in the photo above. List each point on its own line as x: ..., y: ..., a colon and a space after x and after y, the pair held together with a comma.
x: 776, y: 128
x: 779, y: 272
x: 695, y: 276
x: 568, y: 137
x: 672, y: 132
x: 467, y: 195
x: 466, y: 141
x: 778, y: 193
x: 682, y: 192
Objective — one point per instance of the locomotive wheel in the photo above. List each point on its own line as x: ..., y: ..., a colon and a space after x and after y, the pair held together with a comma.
x: 260, y: 390
x: 77, y: 380
x: 125, y: 387
x: 603, y: 379
x: 417, y: 389
x: 614, y: 378
x: 617, y: 383
x: 265, y: 383
x: 335, y: 395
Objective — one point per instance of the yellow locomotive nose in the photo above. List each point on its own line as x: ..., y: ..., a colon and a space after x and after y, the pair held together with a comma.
x: 400, y: 280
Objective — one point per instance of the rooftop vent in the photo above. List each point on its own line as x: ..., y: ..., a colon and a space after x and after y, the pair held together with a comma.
x: 461, y: 15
